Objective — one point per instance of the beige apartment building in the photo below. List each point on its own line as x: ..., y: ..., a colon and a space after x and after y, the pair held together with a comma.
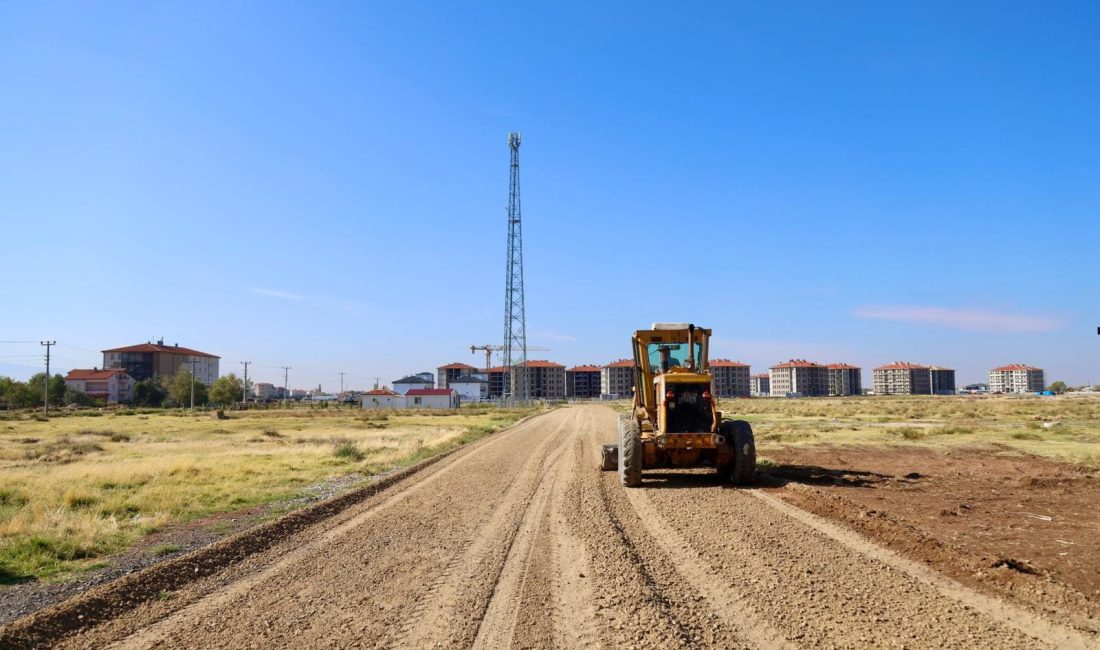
x: 902, y: 378
x: 617, y: 378
x: 452, y: 371
x: 731, y: 378
x: 760, y: 385
x: 149, y: 360
x: 582, y: 382
x: 1016, y: 378
x: 798, y: 378
x: 845, y: 379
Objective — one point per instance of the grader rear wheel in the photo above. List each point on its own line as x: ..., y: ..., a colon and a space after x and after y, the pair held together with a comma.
x: 630, y: 451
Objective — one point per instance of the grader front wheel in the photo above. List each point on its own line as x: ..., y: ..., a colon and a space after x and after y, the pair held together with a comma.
x: 738, y: 435
x: 630, y: 451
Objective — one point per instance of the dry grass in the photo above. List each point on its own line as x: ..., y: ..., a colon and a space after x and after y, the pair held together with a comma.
x: 70, y: 493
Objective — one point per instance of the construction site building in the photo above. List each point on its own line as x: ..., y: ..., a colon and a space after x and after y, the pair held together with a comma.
x: 760, y: 385
x: 582, y: 382
x: 902, y: 378
x: 545, y: 380
x: 453, y: 371
x: 844, y: 379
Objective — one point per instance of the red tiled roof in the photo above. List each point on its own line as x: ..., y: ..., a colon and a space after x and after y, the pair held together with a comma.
x: 762, y: 375
x: 499, y: 369
x: 584, y: 369
x: 456, y: 366
x: 1015, y: 366
x: 726, y: 363
x: 170, y: 349
x: 902, y: 365
x: 382, y: 391
x: 842, y: 366
x: 621, y: 363
x: 798, y: 363
x: 542, y: 363
x: 94, y: 373
x: 430, y: 391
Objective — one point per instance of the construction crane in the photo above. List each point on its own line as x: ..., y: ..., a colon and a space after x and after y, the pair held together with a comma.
x: 490, y: 349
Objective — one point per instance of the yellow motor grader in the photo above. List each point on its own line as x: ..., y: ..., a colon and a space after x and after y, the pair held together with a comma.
x: 674, y: 420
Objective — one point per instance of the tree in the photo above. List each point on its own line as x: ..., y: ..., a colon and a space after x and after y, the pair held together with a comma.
x: 36, y: 385
x: 74, y: 397
x: 179, y: 389
x: 226, y: 390
x: 149, y: 392
x: 1058, y: 387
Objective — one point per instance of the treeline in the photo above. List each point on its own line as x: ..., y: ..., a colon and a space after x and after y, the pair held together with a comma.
x: 167, y: 391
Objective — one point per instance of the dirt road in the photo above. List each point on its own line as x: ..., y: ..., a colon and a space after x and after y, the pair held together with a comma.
x: 518, y: 541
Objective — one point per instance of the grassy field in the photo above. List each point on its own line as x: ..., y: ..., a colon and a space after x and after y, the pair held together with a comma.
x: 1063, y: 428
x: 81, y: 486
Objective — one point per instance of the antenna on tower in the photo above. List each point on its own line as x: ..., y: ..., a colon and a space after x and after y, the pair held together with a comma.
x: 515, y: 326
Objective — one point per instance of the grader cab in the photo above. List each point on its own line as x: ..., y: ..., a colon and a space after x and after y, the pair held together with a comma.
x: 674, y: 420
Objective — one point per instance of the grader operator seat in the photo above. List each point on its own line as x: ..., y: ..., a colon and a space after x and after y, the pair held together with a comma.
x: 674, y: 419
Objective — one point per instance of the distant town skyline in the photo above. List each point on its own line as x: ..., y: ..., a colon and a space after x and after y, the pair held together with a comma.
x: 324, y: 186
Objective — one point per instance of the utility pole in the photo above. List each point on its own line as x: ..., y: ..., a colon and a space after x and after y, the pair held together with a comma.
x: 340, y: 397
x: 286, y: 374
x: 192, y: 361
x: 244, y: 391
x: 46, y: 401
x: 515, y: 320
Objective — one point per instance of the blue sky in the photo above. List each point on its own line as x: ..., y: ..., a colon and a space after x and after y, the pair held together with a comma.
x: 323, y: 185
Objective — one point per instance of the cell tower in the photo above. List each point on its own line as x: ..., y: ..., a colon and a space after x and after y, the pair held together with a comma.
x: 515, y: 325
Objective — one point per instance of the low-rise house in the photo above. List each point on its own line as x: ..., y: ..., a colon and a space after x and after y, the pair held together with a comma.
x: 471, y: 388
x: 383, y: 398
x: 112, y: 385
x: 432, y: 398
x: 405, y: 384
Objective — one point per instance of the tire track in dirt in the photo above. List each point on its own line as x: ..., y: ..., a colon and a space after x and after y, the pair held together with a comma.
x: 997, y: 609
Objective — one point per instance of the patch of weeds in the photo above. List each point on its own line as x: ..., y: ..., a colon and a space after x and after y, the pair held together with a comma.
x: 166, y: 549
x: 1026, y: 435
x: 164, y: 595
x: 38, y: 417
x: 950, y: 431
x: 120, y: 437
x: 908, y: 433
x: 75, y: 500
x: 348, y: 451
x: 10, y: 497
x: 271, y: 432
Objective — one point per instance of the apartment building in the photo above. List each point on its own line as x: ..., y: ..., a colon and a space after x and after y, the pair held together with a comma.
x: 453, y: 371
x: 731, y: 378
x: 902, y: 378
x: 798, y: 378
x: 760, y: 385
x: 1016, y: 378
x: 617, y: 378
x: 582, y: 382
x: 942, y: 380
x: 149, y: 360
x: 844, y: 379
x: 544, y: 379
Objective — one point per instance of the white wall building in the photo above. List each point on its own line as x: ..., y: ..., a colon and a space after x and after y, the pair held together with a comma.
x: 432, y: 398
x: 405, y: 384
x: 471, y: 388
x: 111, y: 385
x: 383, y: 398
